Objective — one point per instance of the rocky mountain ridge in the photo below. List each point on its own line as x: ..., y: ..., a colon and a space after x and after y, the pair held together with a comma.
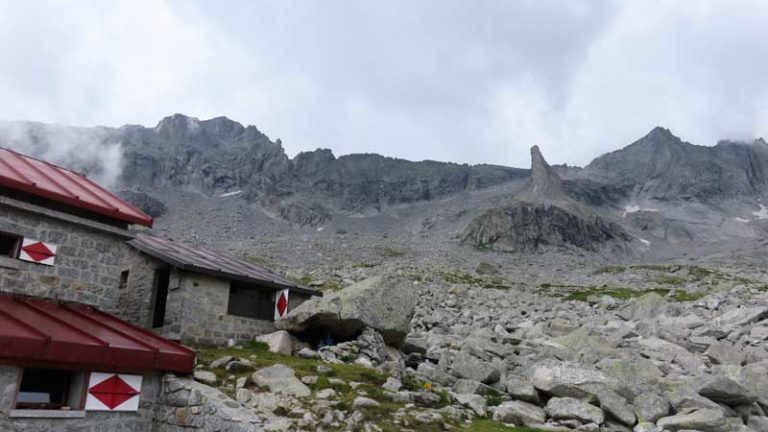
x: 545, y: 215
x: 659, y: 190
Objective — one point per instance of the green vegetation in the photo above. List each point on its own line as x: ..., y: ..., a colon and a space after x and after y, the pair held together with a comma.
x: 303, y: 280
x: 370, y: 381
x: 257, y: 353
x: 670, y: 280
x: 628, y: 294
x: 653, y: 267
x: 390, y: 252
x: 685, y: 296
x: 664, y: 279
x: 333, y: 283
x: 613, y: 269
x: 495, y: 398
x: 260, y: 260
x: 486, y: 425
x: 460, y: 277
x: 617, y: 293
x: 700, y: 272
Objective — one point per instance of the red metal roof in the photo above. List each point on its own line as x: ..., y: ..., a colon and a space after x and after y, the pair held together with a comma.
x: 34, y: 330
x: 199, y: 260
x: 36, y: 177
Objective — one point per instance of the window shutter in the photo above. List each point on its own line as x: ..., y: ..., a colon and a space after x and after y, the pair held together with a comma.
x: 113, y: 392
x: 37, y: 251
x: 281, y: 304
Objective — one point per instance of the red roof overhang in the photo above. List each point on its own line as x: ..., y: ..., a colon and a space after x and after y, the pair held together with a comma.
x: 36, y: 177
x: 72, y: 335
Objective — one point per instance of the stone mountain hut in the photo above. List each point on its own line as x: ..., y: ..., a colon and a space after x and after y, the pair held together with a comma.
x: 67, y: 359
x: 197, y: 296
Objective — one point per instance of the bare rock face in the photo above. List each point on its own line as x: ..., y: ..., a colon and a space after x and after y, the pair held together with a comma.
x: 528, y: 227
x: 544, y: 180
x: 549, y: 218
x: 147, y: 203
x: 662, y: 166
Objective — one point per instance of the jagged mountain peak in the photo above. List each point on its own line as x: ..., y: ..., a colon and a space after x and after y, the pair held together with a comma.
x: 544, y: 180
x: 661, y: 131
x: 222, y: 126
x: 177, y: 121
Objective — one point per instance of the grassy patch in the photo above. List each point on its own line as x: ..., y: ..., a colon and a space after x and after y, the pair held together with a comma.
x: 495, y: 398
x: 617, y: 293
x: 303, y: 280
x: 333, y: 283
x: 613, y: 269
x: 670, y: 280
x: 700, y: 272
x: 390, y: 252
x: 653, y: 267
x: 260, y: 260
x: 685, y: 296
x: 487, y: 425
x: 628, y: 294
x: 259, y: 356
x: 459, y: 277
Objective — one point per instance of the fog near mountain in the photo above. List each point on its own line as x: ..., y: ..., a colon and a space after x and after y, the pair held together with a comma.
x: 93, y: 151
x: 461, y: 82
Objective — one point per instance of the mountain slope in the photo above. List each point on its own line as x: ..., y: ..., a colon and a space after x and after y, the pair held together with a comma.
x: 660, y: 166
x: 659, y: 189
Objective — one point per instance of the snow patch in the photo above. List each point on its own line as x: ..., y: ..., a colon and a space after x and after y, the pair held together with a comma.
x: 644, y: 241
x: 742, y: 220
x: 229, y: 194
x: 633, y: 208
x: 762, y: 213
x: 321, y: 228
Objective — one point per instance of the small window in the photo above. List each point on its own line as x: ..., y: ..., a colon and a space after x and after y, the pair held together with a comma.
x: 9, y: 245
x: 123, y: 279
x: 50, y: 389
x: 251, y: 302
x: 162, y: 280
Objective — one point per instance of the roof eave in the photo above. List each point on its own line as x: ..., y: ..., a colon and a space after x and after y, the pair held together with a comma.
x: 225, y: 275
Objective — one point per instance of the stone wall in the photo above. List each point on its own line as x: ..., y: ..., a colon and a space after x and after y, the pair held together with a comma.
x: 87, y: 267
x: 188, y: 406
x: 93, y: 421
x: 202, y: 301
x: 196, y: 308
x: 136, y: 299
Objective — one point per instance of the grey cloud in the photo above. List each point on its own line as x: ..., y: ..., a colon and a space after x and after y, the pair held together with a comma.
x: 447, y: 80
x: 89, y: 151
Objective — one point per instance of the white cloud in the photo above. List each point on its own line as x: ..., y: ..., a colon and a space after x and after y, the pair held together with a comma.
x: 446, y: 80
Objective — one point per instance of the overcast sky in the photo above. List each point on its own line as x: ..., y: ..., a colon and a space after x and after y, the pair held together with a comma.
x: 465, y: 81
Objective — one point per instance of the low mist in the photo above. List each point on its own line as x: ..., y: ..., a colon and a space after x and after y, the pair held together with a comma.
x: 94, y: 152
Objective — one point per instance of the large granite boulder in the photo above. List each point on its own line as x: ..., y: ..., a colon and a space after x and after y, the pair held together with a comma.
x: 385, y: 303
x: 280, y: 379
x: 568, y: 379
x: 574, y: 409
x: 705, y: 420
x: 520, y: 413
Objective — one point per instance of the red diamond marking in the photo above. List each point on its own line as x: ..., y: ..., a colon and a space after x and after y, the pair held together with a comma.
x: 282, y: 304
x: 38, y: 251
x: 113, y: 391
